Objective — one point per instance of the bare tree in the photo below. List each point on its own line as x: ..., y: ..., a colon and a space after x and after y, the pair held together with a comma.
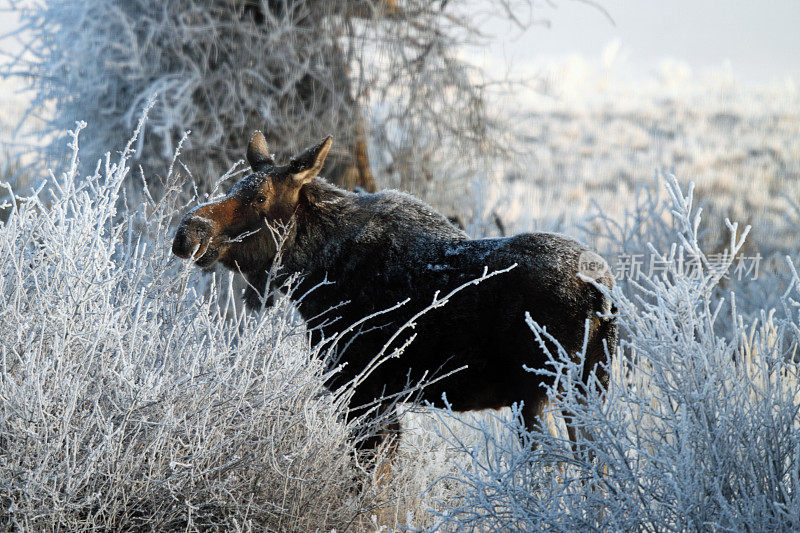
x: 386, y: 70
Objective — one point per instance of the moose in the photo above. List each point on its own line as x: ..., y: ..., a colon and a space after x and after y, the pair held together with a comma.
x: 365, y: 254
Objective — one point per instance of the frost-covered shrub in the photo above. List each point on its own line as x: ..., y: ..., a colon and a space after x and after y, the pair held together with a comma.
x: 757, y: 275
x: 698, y: 431
x: 296, y: 69
x: 131, y: 399
x: 134, y: 393
x: 127, y: 400
x: 220, y: 69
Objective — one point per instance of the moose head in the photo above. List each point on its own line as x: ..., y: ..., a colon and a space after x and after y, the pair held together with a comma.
x: 234, y: 230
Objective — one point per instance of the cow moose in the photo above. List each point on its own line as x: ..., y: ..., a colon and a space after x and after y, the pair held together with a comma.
x: 363, y: 253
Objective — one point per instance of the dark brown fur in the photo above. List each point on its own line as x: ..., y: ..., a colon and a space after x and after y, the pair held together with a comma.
x: 380, y: 249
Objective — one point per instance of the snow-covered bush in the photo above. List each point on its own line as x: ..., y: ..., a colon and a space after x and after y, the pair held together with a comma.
x: 698, y: 431
x: 127, y: 400
x: 135, y: 394
x: 296, y: 69
x: 131, y: 398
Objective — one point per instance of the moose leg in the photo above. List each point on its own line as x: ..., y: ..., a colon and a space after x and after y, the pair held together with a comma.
x: 572, y: 431
x: 570, y: 415
x: 377, y: 430
x: 533, y: 415
x: 388, y: 433
x: 594, y: 367
x: 370, y: 432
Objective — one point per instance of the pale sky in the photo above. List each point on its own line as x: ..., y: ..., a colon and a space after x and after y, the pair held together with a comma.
x: 760, y: 39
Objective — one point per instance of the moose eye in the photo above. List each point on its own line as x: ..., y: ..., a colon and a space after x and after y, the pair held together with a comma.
x: 260, y: 200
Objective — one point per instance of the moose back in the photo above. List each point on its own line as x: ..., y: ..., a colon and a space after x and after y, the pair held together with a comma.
x: 360, y: 254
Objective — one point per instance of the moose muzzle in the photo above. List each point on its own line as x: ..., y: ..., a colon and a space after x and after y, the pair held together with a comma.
x: 194, y: 233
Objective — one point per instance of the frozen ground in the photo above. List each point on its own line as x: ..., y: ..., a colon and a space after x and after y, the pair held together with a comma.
x: 586, y: 138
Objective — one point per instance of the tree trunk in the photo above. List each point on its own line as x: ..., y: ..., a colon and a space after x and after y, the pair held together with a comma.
x: 348, y: 166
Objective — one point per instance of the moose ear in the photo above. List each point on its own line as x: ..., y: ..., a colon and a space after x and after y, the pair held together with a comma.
x: 307, y: 165
x: 257, y: 152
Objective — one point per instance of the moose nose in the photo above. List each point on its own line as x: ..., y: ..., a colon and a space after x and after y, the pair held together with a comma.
x: 193, y: 232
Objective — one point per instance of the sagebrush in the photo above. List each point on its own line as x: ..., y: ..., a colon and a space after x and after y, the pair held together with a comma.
x: 131, y: 397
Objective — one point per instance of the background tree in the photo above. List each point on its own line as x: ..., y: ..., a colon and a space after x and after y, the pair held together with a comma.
x: 381, y: 70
